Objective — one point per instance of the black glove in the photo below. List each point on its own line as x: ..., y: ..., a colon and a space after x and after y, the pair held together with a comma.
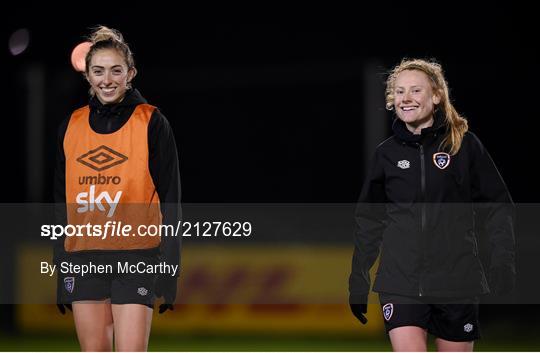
x: 166, y: 287
x: 358, y: 304
x: 502, y: 280
x: 57, y: 259
x: 62, y: 308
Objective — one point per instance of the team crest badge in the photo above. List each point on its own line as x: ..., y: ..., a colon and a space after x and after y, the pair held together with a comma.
x: 441, y: 160
x: 69, y: 283
x: 388, y: 310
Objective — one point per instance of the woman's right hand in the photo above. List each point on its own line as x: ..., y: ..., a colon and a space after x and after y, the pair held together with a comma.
x: 359, y: 310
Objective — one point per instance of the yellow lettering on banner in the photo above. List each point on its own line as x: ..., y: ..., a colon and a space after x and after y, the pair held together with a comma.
x: 220, y: 282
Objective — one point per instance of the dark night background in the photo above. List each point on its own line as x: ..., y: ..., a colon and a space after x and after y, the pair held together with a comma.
x: 271, y: 109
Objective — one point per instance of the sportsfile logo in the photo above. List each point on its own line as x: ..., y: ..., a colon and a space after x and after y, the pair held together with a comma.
x: 99, y: 159
x: 102, y: 158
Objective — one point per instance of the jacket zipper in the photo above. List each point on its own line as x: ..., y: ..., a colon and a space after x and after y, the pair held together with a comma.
x: 423, y: 213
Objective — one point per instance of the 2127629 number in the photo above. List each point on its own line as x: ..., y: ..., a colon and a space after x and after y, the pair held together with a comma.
x: 216, y: 229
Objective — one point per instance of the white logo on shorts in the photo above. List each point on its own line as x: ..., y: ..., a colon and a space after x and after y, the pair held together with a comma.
x: 69, y: 284
x: 142, y: 291
x: 404, y: 164
x: 468, y: 328
x: 388, y: 310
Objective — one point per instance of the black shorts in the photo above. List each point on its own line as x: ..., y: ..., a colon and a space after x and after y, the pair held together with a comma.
x: 453, y: 320
x: 112, y: 283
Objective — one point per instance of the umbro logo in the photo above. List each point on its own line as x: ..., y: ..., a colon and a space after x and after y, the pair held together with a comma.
x: 404, y: 164
x: 102, y: 158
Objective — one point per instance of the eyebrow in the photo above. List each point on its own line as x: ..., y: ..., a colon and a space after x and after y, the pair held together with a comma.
x: 413, y: 86
x: 102, y: 67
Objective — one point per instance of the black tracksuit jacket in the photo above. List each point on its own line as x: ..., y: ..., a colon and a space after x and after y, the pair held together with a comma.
x: 421, y: 218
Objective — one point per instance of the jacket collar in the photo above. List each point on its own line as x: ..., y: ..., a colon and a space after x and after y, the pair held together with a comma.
x: 403, y: 134
x: 132, y: 97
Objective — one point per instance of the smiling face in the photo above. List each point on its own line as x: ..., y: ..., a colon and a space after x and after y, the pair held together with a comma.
x: 109, y: 75
x: 414, y: 99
